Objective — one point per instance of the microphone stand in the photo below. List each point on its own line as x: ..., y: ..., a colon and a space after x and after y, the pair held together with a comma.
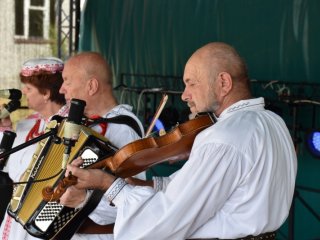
x: 52, y: 132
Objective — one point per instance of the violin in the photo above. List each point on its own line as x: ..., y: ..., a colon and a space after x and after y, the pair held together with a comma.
x: 144, y: 153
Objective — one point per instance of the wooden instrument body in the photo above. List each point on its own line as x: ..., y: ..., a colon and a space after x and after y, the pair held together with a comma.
x: 141, y: 154
x: 47, y: 220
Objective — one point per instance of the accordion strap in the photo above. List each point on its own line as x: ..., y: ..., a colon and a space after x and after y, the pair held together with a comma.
x: 68, y: 231
x: 90, y: 227
x: 121, y: 119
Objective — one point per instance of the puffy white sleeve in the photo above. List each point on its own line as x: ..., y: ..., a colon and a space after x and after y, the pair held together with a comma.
x: 161, y: 183
x: 119, y: 135
x: 193, y: 196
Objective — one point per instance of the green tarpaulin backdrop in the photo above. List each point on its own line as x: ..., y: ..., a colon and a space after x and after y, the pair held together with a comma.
x: 279, y: 39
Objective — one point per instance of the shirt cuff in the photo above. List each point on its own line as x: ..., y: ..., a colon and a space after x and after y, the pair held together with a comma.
x: 114, y: 189
x: 88, y: 195
x: 157, y: 183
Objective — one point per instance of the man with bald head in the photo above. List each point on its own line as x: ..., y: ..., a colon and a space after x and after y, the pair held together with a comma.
x: 238, y: 182
x: 88, y: 76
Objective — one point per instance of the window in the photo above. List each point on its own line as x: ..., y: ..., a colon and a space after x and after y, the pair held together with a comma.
x: 32, y: 19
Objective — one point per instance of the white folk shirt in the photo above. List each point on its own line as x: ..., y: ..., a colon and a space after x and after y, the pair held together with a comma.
x: 119, y: 135
x: 19, y: 161
x: 239, y: 180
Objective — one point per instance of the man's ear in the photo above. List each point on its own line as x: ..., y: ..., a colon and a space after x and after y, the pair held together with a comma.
x: 225, y: 81
x: 93, y: 86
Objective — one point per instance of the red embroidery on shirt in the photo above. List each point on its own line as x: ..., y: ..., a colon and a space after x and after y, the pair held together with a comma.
x: 34, y: 131
x: 103, y: 125
x: 6, y: 229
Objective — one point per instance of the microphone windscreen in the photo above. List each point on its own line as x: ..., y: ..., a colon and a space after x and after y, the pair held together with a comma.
x: 5, y: 145
x: 8, y: 108
x: 7, y: 140
x: 13, y: 105
x: 11, y: 93
x: 72, y: 128
x: 15, y: 94
x: 76, y: 110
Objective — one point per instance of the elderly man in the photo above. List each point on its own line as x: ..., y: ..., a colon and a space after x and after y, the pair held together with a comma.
x: 87, y: 76
x: 239, y: 180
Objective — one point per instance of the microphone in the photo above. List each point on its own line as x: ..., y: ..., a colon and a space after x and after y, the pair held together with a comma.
x: 10, y: 94
x: 5, y: 145
x: 9, y: 108
x: 72, y: 128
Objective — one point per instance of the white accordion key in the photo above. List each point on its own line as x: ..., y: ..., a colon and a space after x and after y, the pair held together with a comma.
x: 47, y: 215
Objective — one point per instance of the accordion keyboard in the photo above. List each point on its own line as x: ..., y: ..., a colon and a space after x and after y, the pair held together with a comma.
x: 52, y: 211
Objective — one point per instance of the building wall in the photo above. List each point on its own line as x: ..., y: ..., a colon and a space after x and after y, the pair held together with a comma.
x: 13, y: 54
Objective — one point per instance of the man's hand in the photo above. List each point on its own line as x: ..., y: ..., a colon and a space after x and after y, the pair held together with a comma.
x: 73, y: 197
x: 86, y: 179
x: 90, y: 178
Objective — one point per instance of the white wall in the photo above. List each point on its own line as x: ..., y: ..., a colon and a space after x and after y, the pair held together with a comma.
x: 12, y: 55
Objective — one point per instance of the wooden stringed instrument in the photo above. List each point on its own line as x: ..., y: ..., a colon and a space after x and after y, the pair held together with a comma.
x: 141, y: 154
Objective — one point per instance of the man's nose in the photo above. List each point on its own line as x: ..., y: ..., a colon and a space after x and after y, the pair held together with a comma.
x: 61, y: 90
x: 185, y: 96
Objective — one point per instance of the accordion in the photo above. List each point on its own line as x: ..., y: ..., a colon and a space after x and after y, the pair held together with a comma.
x: 51, y: 220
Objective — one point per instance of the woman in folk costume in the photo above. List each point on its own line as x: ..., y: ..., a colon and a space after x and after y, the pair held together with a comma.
x: 42, y: 80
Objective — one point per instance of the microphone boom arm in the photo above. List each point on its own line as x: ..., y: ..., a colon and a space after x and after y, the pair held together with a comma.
x: 52, y: 132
